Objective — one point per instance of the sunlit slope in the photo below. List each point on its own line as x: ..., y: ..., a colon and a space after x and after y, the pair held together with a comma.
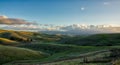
x: 8, y: 54
x: 5, y: 41
x: 22, y: 36
x: 15, y: 35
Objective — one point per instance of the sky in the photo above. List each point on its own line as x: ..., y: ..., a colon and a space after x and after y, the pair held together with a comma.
x: 63, y: 12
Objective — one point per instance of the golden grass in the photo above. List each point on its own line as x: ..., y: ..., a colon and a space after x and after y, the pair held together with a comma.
x: 9, y: 54
x: 5, y: 41
x: 16, y: 35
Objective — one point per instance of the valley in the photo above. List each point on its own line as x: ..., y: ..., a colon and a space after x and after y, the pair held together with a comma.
x: 44, y: 49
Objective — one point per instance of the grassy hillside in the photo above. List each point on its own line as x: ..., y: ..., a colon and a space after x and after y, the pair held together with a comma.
x: 16, y: 35
x: 62, y: 51
x: 27, y: 37
x: 5, y: 41
x: 8, y: 54
x: 94, y: 40
x: 80, y: 55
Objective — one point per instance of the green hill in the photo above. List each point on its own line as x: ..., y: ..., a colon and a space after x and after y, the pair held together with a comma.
x: 8, y: 54
x: 94, y: 40
x: 62, y: 51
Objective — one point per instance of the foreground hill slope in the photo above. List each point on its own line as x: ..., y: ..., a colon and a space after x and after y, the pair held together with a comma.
x: 8, y: 54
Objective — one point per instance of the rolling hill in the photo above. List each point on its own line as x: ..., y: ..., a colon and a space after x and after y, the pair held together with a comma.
x: 16, y: 36
x: 8, y: 54
x: 94, y: 40
x: 56, y: 47
x: 5, y: 41
x: 28, y: 37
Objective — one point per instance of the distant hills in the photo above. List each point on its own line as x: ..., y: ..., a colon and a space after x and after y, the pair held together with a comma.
x: 10, y: 37
x: 94, y: 40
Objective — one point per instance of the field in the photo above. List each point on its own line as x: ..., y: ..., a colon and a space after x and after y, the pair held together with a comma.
x: 71, y: 54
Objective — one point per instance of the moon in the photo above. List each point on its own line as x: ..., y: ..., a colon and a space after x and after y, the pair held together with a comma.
x: 82, y: 8
x: 106, y: 3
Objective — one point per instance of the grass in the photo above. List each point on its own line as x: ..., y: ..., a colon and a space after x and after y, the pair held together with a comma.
x: 70, y: 48
x: 19, y: 36
x: 94, y: 40
x: 56, y: 47
x: 8, y: 54
x: 62, y: 51
x: 25, y: 37
x: 77, y: 63
x: 5, y: 41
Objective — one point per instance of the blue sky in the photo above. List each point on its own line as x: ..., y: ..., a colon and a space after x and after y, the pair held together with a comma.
x: 63, y: 11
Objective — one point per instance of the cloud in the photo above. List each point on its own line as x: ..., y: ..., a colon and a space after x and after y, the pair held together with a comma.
x: 3, y: 17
